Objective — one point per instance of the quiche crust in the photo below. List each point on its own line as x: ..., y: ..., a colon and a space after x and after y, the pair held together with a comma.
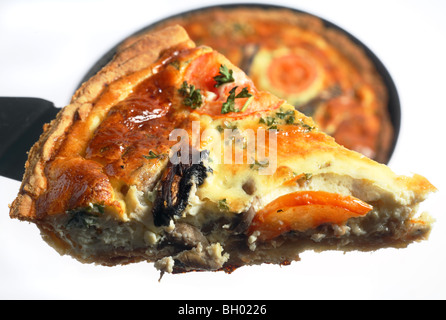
x: 139, y: 56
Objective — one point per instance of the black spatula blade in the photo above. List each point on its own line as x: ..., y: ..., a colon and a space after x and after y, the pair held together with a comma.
x: 21, y: 124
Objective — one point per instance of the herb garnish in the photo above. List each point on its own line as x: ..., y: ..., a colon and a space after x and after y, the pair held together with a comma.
x: 306, y: 126
x: 223, y: 205
x: 225, y: 76
x: 192, y: 96
x: 229, y: 105
x: 290, y: 120
x: 259, y: 164
x: 244, y: 93
x: 227, y: 125
x: 287, y: 117
x: 283, y: 115
x: 270, y: 122
x: 308, y: 176
x: 152, y: 155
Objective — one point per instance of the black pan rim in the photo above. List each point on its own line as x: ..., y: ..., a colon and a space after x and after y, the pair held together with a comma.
x: 393, y: 106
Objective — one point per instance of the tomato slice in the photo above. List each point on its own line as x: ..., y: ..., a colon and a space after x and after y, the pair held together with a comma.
x: 261, y: 101
x: 202, y: 70
x: 201, y: 73
x: 292, y: 73
x: 304, y: 210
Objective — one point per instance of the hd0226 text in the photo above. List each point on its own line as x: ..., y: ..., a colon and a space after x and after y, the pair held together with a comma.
x: 222, y: 310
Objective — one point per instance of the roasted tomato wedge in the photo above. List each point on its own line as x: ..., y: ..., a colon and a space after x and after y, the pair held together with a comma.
x: 304, y: 210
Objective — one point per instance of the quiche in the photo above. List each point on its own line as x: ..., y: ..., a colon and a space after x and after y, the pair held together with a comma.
x: 315, y: 66
x: 170, y: 154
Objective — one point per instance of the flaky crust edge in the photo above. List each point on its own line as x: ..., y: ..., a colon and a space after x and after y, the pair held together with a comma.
x: 127, y: 60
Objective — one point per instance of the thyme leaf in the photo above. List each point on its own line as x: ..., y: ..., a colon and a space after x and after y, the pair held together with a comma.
x: 229, y: 105
x: 244, y: 93
x: 225, y: 76
x: 223, y: 205
x: 152, y: 155
x: 259, y: 164
x: 192, y: 96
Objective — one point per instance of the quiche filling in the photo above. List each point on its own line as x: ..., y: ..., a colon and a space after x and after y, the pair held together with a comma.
x: 209, y: 236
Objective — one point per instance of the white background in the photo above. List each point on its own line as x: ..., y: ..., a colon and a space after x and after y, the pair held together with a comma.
x: 46, y: 47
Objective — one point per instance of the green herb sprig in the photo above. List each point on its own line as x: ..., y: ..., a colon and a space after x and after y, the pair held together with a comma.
x: 192, y: 96
x: 223, y: 205
x: 229, y: 105
x: 225, y: 76
x: 259, y: 164
x: 153, y: 155
x: 270, y: 122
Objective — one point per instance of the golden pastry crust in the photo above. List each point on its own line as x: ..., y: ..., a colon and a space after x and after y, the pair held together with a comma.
x: 129, y: 59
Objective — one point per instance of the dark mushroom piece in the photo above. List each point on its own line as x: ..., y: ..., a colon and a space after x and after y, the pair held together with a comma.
x: 175, y: 187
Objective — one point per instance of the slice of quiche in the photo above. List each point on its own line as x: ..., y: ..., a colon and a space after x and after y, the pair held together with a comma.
x: 171, y: 155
